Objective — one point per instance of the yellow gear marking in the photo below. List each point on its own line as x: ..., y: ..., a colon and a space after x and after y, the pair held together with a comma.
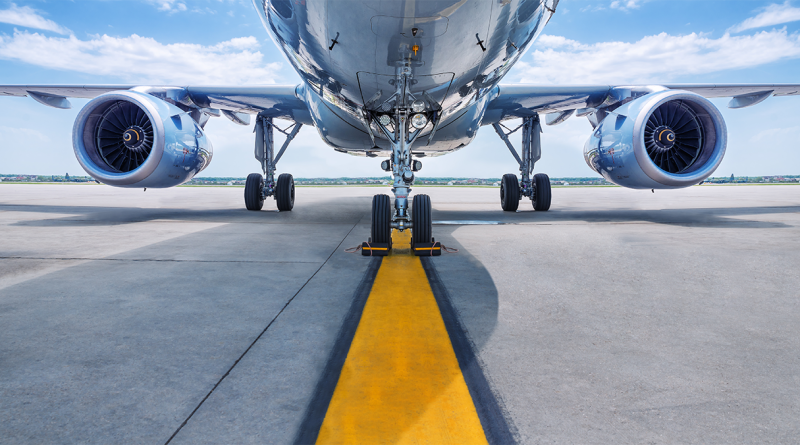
x: 401, y: 383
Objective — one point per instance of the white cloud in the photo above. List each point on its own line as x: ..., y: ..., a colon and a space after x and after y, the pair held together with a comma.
x: 626, y: 5
x: 29, y: 18
x: 143, y: 60
x: 592, y: 8
x: 774, y: 14
x: 10, y: 134
x: 772, y: 134
x: 170, y: 6
x: 657, y: 59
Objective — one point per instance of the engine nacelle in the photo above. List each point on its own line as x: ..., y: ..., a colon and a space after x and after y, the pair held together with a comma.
x: 132, y: 139
x: 663, y: 140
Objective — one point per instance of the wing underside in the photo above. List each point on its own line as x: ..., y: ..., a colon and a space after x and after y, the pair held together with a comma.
x: 516, y: 101
x: 510, y: 101
x: 279, y: 101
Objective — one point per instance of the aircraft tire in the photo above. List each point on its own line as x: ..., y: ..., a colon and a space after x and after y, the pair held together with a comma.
x: 253, y: 198
x: 381, y: 220
x: 284, y: 192
x: 509, y: 193
x: 422, y: 229
x: 541, y: 192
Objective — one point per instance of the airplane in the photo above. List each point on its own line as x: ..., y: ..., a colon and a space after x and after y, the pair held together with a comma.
x: 402, y: 80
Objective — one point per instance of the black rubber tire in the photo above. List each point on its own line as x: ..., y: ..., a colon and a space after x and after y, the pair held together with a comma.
x: 541, y: 192
x: 253, y: 197
x: 284, y: 192
x: 422, y: 230
x: 381, y: 220
x: 509, y: 193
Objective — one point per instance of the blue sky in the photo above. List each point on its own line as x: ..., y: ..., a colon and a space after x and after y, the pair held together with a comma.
x: 223, y: 42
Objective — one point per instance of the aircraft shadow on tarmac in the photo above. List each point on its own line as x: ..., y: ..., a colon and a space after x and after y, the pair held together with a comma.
x: 691, y: 217
x: 345, y: 209
x: 341, y: 210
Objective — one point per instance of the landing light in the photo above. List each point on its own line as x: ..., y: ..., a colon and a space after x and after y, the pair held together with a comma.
x: 418, y: 106
x: 385, y: 119
x: 419, y: 121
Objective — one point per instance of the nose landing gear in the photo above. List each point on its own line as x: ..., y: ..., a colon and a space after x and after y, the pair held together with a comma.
x: 402, y: 118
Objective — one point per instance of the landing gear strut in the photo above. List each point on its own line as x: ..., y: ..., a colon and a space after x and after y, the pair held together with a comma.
x: 401, y: 118
x: 258, y: 188
x: 537, y: 188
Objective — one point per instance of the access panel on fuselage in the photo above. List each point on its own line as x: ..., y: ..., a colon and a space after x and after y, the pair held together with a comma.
x: 381, y: 87
x: 434, y: 37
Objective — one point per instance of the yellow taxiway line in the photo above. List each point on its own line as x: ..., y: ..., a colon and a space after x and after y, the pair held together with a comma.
x: 401, y: 382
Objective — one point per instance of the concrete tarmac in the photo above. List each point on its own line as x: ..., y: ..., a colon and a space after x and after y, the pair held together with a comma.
x: 619, y: 316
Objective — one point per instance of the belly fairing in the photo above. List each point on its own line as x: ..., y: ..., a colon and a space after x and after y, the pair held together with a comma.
x: 347, y: 51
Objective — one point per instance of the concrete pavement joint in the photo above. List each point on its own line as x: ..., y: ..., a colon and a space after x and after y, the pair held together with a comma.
x: 219, y: 382
x: 148, y: 260
x: 56, y: 222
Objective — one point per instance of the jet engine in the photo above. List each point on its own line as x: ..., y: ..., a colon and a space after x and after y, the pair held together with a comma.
x: 132, y: 139
x: 662, y: 140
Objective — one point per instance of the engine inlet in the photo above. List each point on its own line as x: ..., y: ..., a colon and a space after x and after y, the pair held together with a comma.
x: 674, y: 137
x: 124, y: 136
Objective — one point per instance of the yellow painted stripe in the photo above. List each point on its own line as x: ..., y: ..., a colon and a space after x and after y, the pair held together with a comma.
x: 401, y: 382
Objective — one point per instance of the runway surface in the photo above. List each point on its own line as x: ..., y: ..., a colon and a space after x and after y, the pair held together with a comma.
x: 618, y: 317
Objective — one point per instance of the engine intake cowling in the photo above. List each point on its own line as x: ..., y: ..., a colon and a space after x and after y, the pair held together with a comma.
x: 132, y: 139
x: 663, y: 140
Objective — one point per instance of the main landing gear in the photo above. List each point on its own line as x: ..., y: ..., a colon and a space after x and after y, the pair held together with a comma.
x: 537, y: 188
x: 401, y: 118
x: 257, y: 188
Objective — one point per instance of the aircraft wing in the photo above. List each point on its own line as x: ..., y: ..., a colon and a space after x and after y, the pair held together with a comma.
x: 77, y: 91
x: 516, y: 101
x: 279, y: 101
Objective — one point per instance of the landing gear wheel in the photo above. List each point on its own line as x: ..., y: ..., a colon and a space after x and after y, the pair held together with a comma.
x: 541, y: 192
x: 509, y: 192
x: 422, y: 230
x: 253, y: 192
x: 381, y: 220
x: 284, y: 192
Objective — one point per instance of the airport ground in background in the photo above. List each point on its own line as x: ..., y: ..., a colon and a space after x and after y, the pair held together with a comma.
x: 386, y: 180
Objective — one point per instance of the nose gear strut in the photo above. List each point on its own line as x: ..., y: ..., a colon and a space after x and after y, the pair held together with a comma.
x: 394, y: 118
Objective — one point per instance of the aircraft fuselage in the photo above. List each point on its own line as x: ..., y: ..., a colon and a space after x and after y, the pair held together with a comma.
x: 348, y: 52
